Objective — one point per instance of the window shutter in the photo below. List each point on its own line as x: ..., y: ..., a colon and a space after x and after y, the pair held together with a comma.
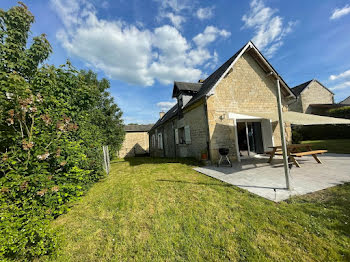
x: 176, y: 136
x: 187, y: 135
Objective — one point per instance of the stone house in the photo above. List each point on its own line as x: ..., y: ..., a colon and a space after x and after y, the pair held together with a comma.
x: 346, y: 101
x: 229, y: 109
x: 312, y: 98
x: 136, y: 141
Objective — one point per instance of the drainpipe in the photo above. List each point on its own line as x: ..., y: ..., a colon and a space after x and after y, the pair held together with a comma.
x: 283, y: 136
x: 207, y: 125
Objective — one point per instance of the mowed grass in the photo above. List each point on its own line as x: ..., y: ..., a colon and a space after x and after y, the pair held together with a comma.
x: 340, y: 146
x: 159, y: 210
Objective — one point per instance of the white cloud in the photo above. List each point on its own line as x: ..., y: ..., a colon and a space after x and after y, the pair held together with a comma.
x: 205, y: 13
x: 341, y: 86
x: 209, y: 35
x: 131, y: 53
x: 165, y: 106
x: 269, y: 27
x: 173, y: 10
x: 176, y: 6
x: 340, y: 76
x: 176, y: 20
x: 339, y: 12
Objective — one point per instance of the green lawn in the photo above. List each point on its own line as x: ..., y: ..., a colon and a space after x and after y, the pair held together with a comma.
x: 341, y: 146
x: 159, y: 210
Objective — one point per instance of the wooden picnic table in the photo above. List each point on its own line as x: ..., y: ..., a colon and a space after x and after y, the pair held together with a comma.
x: 296, y: 150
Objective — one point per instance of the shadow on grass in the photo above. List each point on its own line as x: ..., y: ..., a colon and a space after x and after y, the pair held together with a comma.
x: 223, y: 184
x: 135, y: 161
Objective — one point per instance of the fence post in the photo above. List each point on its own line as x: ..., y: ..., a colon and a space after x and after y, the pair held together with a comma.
x: 106, y: 160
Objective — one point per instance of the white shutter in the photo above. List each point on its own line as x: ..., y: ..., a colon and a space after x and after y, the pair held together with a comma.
x: 187, y: 135
x: 176, y: 136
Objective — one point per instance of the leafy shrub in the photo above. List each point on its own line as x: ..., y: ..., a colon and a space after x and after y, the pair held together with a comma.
x: 53, y: 123
x: 342, y: 112
x: 297, y: 137
x: 319, y: 132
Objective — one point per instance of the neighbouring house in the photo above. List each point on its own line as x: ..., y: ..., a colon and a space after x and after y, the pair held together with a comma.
x: 346, y: 101
x: 235, y: 107
x: 312, y: 98
x: 136, y: 141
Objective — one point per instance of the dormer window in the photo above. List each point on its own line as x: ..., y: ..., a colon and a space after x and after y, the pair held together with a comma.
x: 180, y: 101
x: 183, y: 92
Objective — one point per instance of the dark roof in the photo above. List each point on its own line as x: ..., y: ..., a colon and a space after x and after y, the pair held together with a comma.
x: 168, y: 115
x: 205, y: 87
x: 211, y: 80
x: 346, y: 101
x: 298, y: 89
x: 185, y: 87
x: 188, y: 86
x: 137, y: 128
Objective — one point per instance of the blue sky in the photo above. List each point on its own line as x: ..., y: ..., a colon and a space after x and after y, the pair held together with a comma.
x: 143, y: 46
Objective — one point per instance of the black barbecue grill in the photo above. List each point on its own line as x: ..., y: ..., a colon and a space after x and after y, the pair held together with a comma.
x: 223, y: 155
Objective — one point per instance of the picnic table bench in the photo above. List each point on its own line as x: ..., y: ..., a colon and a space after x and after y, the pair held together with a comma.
x: 296, y: 150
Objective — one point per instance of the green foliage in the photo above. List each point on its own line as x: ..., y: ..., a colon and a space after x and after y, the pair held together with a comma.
x: 315, y: 132
x: 297, y: 137
x: 53, y: 123
x: 342, y: 112
x: 339, y: 146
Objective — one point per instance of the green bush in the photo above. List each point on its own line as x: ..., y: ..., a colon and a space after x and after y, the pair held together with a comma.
x: 297, y: 137
x: 342, y: 112
x: 320, y: 132
x: 53, y: 123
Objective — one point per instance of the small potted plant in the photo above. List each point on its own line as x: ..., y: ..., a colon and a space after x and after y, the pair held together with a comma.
x: 204, y: 154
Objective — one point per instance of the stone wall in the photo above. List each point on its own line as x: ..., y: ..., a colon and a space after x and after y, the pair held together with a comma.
x: 296, y: 106
x: 168, y: 141
x: 134, y: 142
x: 315, y: 94
x: 195, y: 118
x: 246, y: 89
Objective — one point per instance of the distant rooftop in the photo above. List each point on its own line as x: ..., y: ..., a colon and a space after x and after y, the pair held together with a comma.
x: 137, y: 128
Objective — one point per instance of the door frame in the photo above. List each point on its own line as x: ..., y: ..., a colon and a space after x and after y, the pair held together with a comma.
x: 239, y: 118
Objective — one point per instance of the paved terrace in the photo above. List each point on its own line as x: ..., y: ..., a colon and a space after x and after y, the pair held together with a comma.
x: 268, y: 180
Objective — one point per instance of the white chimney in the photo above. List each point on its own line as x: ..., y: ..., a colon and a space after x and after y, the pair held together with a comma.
x: 161, y: 114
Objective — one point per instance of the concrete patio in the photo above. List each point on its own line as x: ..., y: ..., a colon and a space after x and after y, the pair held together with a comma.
x: 268, y: 181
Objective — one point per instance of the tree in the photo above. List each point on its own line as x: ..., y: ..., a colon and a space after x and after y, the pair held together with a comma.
x: 53, y: 123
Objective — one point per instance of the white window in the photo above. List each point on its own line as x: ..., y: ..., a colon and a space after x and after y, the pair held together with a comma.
x: 160, y: 141
x: 183, y: 135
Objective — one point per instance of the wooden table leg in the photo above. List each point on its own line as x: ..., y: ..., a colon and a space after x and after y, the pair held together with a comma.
x: 296, y: 163
x: 272, y: 155
x: 317, y: 159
